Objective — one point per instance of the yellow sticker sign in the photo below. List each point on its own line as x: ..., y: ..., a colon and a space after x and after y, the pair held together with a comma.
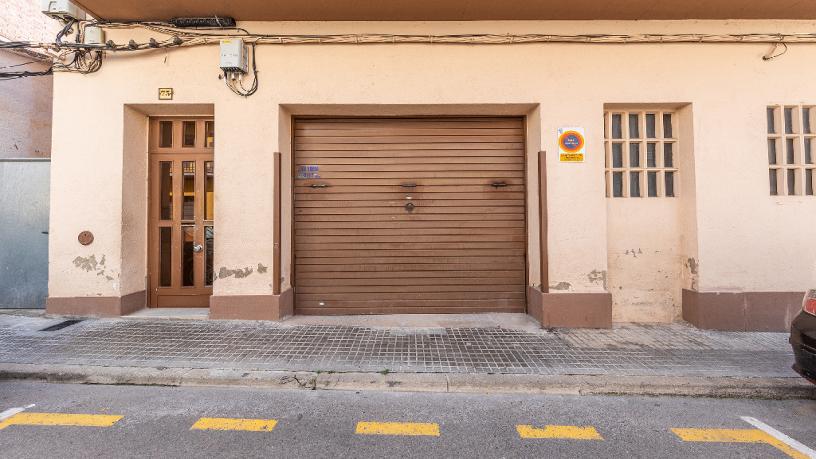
x: 571, y: 144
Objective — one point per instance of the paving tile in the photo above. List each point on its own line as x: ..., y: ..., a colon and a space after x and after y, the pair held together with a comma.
x: 676, y: 349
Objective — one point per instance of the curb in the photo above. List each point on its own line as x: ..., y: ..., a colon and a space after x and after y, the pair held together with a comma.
x: 695, y: 386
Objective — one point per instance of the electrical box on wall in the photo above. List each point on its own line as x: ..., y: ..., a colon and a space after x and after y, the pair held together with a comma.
x: 233, y: 55
x: 93, y: 36
x: 62, y: 9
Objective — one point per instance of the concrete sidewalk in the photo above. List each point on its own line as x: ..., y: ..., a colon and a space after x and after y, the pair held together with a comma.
x: 675, y: 359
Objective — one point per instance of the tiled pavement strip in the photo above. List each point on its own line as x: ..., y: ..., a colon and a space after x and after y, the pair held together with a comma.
x: 647, y: 350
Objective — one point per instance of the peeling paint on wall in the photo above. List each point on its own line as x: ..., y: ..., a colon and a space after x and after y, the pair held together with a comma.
x: 693, y: 267
x: 262, y: 269
x: 239, y: 273
x: 561, y: 286
x: 598, y: 276
x: 90, y: 264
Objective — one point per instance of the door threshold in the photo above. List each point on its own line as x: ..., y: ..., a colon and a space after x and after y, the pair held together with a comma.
x: 170, y: 313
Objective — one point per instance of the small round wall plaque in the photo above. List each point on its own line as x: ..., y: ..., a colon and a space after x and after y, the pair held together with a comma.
x: 85, y: 237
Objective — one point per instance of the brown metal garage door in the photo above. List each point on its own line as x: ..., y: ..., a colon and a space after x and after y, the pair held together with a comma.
x: 409, y: 215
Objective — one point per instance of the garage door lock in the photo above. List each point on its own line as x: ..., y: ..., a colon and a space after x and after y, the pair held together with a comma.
x: 410, y: 207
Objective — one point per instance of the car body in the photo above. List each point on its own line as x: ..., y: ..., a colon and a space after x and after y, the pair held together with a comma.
x: 803, y: 338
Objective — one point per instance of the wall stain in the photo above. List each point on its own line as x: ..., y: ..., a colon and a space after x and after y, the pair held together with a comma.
x: 262, y: 269
x: 561, y: 286
x: 634, y: 252
x: 90, y: 263
x: 598, y: 276
x: 240, y: 273
x: 693, y: 267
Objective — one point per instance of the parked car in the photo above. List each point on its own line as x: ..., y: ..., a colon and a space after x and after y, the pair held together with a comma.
x: 803, y: 338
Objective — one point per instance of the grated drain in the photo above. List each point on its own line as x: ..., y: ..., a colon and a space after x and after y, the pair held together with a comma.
x: 61, y: 325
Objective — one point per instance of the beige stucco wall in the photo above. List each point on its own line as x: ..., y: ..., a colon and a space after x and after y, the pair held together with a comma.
x: 25, y: 110
x: 25, y: 104
x: 740, y: 238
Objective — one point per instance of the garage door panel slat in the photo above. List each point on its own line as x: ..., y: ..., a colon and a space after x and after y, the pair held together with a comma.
x: 461, y: 249
x: 408, y: 277
x: 351, y: 199
x: 406, y: 245
x: 392, y: 268
x: 516, y: 146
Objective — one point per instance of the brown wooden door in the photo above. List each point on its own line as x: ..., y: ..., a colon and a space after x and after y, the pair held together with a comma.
x: 182, y: 226
x: 409, y: 215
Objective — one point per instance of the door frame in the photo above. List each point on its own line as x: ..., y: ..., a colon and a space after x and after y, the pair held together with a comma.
x: 200, y: 154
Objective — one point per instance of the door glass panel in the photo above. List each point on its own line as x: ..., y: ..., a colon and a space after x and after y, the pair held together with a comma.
x: 165, y: 256
x: 790, y: 152
x: 188, y: 187
x: 166, y: 190
x: 189, y: 133
x: 209, y: 240
x: 809, y: 182
x: 209, y: 129
x: 165, y: 134
x: 209, y: 190
x: 187, y: 256
x: 774, y: 179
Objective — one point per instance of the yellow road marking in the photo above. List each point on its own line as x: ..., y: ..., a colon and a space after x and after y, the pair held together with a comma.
x: 60, y: 419
x: 252, y: 425
x: 565, y: 432
x: 397, y: 428
x: 736, y: 436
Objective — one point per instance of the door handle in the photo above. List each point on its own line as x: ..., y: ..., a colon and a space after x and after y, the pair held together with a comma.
x: 198, y: 248
x: 319, y: 185
x: 408, y: 185
x: 498, y: 184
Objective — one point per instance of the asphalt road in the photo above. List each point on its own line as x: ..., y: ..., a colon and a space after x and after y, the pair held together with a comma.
x: 167, y: 422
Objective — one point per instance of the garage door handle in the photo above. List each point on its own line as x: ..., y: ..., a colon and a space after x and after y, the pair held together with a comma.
x: 319, y: 185
x: 408, y: 185
x: 498, y: 184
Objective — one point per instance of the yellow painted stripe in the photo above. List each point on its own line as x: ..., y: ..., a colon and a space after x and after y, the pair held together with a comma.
x: 60, y: 419
x: 736, y: 436
x: 251, y: 425
x: 564, y: 432
x: 397, y: 428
